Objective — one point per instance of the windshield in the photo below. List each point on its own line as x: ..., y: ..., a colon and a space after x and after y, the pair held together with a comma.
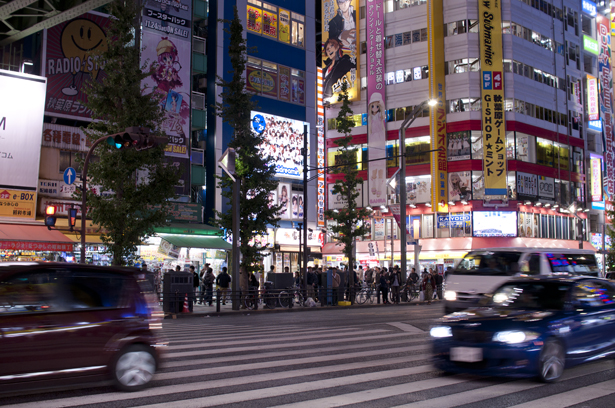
x: 489, y: 263
x: 531, y: 295
x: 580, y: 264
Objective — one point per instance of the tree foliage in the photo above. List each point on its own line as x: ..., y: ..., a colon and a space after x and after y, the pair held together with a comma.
x: 348, y: 226
x: 130, y: 214
x: 252, y: 167
x: 610, y: 232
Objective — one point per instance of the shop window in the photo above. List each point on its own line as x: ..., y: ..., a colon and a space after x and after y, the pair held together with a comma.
x: 577, y: 160
x: 562, y: 156
x: 510, y: 145
x: 477, y: 145
x: 460, y: 224
x: 392, y: 153
x: 511, y: 182
x: 544, y: 152
x: 565, y: 191
x: 558, y: 227
x: 417, y: 150
x: 478, y: 185
x: 427, y: 226
x: 70, y: 159
x: 526, y: 148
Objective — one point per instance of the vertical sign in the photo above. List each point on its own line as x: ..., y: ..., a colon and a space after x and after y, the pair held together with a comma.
x: 340, y: 35
x: 492, y: 94
x: 320, y: 134
x: 69, y: 64
x: 166, y: 42
x: 376, y: 111
x: 437, y: 117
x: 592, y: 98
x: 605, y: 76
x: 595, y: 177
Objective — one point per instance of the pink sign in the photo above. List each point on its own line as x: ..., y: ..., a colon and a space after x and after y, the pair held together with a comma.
x: 376, y: 108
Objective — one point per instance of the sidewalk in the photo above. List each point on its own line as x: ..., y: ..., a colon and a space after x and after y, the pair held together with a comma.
x: 227, y: 310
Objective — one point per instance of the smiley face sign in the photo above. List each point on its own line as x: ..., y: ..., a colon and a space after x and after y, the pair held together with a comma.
x: 80, y: 39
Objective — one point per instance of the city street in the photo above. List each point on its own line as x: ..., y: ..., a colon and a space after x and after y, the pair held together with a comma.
x: 372, y: 357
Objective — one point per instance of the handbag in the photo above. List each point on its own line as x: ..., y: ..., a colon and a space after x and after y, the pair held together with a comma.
x: 421, y: 296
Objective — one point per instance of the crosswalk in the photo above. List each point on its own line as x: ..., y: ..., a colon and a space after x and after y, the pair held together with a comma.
x: 376, y: 365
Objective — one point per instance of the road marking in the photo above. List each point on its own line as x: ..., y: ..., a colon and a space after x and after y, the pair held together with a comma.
x: 573, y: 397
x: 407, y: 327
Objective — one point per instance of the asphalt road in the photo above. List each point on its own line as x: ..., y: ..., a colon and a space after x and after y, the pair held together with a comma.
x: 355, y: 357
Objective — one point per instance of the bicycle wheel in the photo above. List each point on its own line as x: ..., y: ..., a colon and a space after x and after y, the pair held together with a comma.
x: 285, y: 299
x: 249, y: 302
x: 361, y: 297
x: 403, y: 295
x: 271, y: 302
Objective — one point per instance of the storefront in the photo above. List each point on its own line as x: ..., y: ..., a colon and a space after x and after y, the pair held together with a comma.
x: 284, y: 244
x: 33, y: 242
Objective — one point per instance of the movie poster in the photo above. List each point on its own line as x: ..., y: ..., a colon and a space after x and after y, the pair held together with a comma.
x: 166, y: 43
x: 340, y: 39
x: 69, y: 64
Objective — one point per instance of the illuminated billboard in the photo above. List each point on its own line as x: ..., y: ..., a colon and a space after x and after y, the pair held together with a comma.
x: 283, y: 142
x: 592, y: 98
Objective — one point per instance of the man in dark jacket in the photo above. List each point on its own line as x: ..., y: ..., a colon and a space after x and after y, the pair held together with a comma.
x: 343, y: 26
x: 223, y: 280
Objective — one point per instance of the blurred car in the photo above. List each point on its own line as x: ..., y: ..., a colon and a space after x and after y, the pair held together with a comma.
x: 610, y: 275
x: 529, y: 327
x: 64, y: 323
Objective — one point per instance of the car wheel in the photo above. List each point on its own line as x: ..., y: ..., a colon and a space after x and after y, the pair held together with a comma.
x: 134, y: 368
x: 552, y: 361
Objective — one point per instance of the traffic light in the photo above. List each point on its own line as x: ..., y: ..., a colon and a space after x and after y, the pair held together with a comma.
x: 72, y: 218
x: 137, y: 138
x: 50, y: 216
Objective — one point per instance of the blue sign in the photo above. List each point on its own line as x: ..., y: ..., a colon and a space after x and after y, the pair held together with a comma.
x: 454, y: 220
x: 589, y: 7
x: 259, y: 124
x: 595, y: 125
x: 487, y: 80
x: 69, y: 176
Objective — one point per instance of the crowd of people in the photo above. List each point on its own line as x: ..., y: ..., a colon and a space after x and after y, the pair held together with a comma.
x: 283, y: 142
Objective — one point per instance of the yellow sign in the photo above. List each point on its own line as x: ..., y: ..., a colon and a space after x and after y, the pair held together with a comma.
x: 437, y: 117
x: 492, y: 86
x: 255, y: 19
x: 340, y: 49
x: 17, y: 204
x: 284, y: 22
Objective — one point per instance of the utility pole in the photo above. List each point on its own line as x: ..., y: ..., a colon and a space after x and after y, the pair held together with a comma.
x: 305, y: 202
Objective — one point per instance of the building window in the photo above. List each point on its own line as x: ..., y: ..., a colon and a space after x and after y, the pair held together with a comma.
x: 276, y: 23
x: 526, y: 148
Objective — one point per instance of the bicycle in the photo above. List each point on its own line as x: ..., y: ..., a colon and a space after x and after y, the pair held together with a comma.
x: 365, y: 294
x: 250, y: 300
x: 285, y: 298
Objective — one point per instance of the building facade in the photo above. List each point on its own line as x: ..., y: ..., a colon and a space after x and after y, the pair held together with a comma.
x: 548, y: 88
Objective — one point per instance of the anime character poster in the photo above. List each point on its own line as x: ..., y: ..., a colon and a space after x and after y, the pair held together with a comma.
x: 69, y: 63
x: 284, y: 201
x: 167, y: 52
x: 460, y: 186
x: 340, y: 38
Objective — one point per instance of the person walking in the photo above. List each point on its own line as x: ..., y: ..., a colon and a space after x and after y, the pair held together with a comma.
x: 384, y: 287
x: 208, y: 284
x: 223, y: 280
x: 335, y: 285
x: 395, y: 282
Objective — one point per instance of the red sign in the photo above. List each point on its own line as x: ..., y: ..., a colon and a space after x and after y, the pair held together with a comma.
x: 36, y: 246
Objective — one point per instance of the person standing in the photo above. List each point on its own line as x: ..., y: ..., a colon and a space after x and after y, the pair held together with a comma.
x: 384, y: 287
x: 335, y: 285
x: 195, y: 281
x: 208, y: 284
x: 395, y: 281
x: 428, y: 287
x: 439, y: 279
x: 311, y: 278
x: 223, y: 280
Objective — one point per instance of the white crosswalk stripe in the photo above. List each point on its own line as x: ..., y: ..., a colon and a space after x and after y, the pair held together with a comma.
x: 384, y: 365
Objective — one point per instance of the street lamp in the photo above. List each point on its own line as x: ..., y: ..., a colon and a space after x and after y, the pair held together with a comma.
x: 402, y: 188
x: 572, y: 208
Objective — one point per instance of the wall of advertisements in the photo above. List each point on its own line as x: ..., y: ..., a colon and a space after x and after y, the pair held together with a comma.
x: 69, y: 63
x: 276, y: 23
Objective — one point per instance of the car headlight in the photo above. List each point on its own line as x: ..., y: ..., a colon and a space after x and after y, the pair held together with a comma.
x: 450, y: 295
x: 514, y: 336
x: 440, y: 331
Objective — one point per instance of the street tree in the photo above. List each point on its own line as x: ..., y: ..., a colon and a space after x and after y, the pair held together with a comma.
x: 348, y: 221
x: 610, y: 233
x: 132, y: 208
x: 253, y: 169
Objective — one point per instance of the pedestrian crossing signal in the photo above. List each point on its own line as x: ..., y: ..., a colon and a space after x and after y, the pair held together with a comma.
x: 50, y: 216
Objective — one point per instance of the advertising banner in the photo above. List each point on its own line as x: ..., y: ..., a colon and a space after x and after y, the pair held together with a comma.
x: 166, y: 42
x: 255, y: 19
x: 495, y: 223
x: 35, y: 246
x: 270, y: 23
x: 492, y: 93
x: 459, y: 146
x: 437, y: 117
x: 592, y: 98
x: 396, y: 210
x: 56, y: 188
x: 605, y: 77
x: 320, y: 155
x: 269, y: 84
x: 595, y: 177
x: 340, y: 49
x: 460, y: 186
x: 283, y: 142
x: 418, y: 190
x: 284, y: 200
x: 379, y: 228
x: 546, y: 187
x: 69, y: 64
x: 65, y: 138
x: 62, y: 206
x: 527, y: 185
x: 296, y: 206
x: 21, y: 123
x: 284, y: 76
x: 17, y: 204
x: 168, y: 249
x: 455, y: 220
x: 284, y: 26
x: 337, y: 201
x: 376, y: 108
x: 185, y: 212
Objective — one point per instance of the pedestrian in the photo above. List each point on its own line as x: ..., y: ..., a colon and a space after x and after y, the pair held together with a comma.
x: 244, y: 283
x: 195, y: 281
x: 414, y: 277
x: 208, y: 284
x: 223, y: 280
x: 335, y: 285
x: 428, y: 287
x: 311, y: 279
x: 439, y: 279
x: 369, y: 277
x: 178, y: 268
x: 384, y: 287
x: 395, y: 282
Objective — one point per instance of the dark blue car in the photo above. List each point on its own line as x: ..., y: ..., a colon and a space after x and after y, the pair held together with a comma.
x: 530, y: 327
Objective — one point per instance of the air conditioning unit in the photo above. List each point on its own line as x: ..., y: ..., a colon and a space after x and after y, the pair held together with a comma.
x: 202, y: 83
x: 198, y: 45
x: 198, y: 101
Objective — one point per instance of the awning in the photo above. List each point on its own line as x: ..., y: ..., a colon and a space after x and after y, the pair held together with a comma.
x: 197, y: 241
x: 33, y: 238
x: 89, y: 239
